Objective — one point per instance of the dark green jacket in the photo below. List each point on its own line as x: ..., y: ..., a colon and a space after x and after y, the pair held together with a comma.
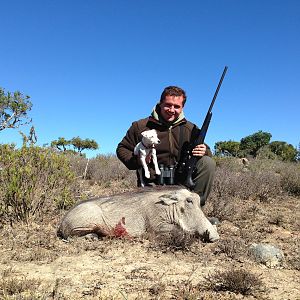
x: 168, y: 149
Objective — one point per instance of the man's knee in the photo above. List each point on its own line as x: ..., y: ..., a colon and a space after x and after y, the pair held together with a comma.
x: 207, y: 163
x: 204, y: 177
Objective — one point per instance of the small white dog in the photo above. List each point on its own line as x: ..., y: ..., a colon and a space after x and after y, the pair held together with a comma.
x: 146, y: 148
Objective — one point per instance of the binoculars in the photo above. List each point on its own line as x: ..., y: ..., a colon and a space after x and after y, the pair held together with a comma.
x: 167, y: 175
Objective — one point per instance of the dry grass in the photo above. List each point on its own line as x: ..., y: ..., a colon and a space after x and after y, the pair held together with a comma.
x: 176, y: 240
x: 142, y: 267
x: 103, y: 170
x: 234, y: 248
x: 12, y: 286
x: 254, y: 204
x: 238, y: 281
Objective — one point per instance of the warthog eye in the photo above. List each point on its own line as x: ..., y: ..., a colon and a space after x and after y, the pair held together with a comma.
x: 189, y: 200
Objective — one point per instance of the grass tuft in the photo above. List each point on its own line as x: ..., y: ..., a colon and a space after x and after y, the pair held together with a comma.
x: 238, y: 281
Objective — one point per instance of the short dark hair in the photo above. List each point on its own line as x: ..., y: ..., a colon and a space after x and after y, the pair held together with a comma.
x: 173, y: 91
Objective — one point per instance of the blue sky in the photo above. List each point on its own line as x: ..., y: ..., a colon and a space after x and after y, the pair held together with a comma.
x: 92, y: 67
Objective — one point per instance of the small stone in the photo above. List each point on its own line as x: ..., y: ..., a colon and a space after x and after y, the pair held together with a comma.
x: 91, y: 237
x: 214, y: 220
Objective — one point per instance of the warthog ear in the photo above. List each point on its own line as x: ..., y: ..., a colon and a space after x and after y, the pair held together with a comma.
x: 168, y: 199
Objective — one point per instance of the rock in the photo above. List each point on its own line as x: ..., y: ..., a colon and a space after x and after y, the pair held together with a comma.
x: 214, y: 220
x: 266, y: 254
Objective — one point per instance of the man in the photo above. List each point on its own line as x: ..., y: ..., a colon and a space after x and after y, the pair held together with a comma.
x: 174, y: 131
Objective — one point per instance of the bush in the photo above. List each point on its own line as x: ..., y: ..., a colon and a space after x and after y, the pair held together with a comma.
x: 103, y: 170
x: 288, y: 173
x: 232, y: 247
x: 261, y: 180
x: 234, y: 181
x: 33, y: 181
x: 234, y: 280
x: 17, y: 287
x: 290, y: 179
x: 175, y: 240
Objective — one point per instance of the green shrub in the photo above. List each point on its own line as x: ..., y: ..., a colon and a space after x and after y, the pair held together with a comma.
x: 33, y: 181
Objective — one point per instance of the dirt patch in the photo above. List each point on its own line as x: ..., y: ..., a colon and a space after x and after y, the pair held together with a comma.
x: 35, y: 264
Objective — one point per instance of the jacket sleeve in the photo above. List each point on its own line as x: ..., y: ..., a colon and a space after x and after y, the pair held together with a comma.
x: 126, y: 146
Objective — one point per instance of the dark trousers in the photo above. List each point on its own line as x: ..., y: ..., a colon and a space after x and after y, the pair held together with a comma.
x: 203, y: 177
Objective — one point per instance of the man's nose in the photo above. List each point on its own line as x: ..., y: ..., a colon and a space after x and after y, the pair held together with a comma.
x: 172, y: 108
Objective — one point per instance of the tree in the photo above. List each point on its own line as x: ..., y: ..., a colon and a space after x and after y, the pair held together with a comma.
x: 14, y: 108
x: 258, y: 145
x: 227, y: 148
x: 31, y: 138
x: 283, y: 150
x: 265, y: 153
x: 80, y: 144
x: 61, y: 144
x: 252, y: 143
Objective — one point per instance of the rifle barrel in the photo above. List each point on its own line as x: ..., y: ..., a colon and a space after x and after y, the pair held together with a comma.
x: 191, y: 161
x: 217, y: 90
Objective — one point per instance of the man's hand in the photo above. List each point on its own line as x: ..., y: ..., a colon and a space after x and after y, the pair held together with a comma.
x: 199, y: 150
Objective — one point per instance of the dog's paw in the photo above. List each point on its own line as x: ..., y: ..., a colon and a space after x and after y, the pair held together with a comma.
x: 147, y: 174
x: 157, y: 172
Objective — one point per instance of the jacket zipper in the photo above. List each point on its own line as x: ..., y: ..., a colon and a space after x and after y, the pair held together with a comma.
x: 171, y: 143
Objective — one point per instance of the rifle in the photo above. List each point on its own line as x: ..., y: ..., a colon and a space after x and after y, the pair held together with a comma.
x: 187, y: 162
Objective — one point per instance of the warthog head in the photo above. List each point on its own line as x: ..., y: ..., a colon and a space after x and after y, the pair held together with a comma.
x: 183, y: 209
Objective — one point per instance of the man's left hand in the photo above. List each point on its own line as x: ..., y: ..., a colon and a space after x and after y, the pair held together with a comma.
x: 199, y: 150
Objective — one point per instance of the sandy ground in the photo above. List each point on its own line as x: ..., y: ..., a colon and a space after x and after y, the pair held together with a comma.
x: 35, y: 264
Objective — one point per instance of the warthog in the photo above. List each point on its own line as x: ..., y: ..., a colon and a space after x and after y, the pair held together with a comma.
x: 133, y: 214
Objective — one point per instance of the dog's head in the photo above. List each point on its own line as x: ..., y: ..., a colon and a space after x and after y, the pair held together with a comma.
x: 150, y: 137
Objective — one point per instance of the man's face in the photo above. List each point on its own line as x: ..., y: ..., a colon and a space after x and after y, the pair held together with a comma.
x: 171, y: 107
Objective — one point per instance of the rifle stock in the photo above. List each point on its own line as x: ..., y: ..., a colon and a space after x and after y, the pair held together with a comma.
x: 187, y: 162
